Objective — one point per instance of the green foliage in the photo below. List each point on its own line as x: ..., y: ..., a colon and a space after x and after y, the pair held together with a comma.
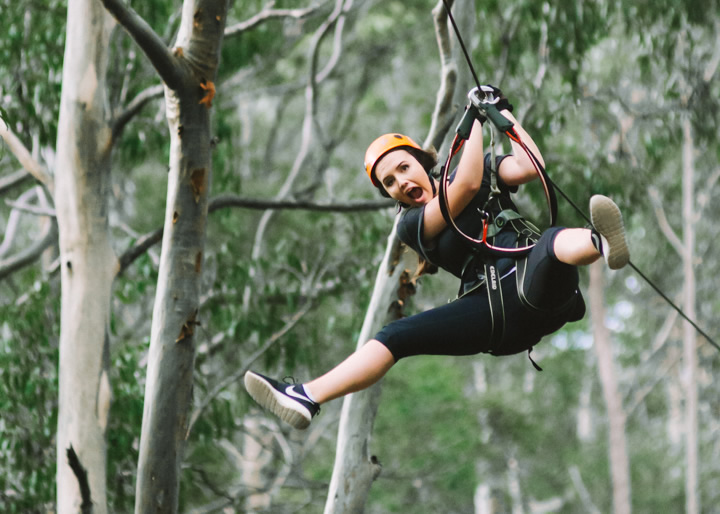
x: 424, y: 408
x: 28, y: 401
x: 31, y: 53
x: 123, y: 437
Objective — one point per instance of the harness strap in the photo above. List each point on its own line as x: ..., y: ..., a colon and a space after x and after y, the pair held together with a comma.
x: 497, y: 307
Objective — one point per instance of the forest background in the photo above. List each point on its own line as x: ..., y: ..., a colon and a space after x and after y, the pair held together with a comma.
x: 622, y: 98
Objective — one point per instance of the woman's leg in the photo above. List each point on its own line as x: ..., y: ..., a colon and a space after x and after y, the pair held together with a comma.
x: 574, y: 246
x: 360, y: 370
x: 581, y: 246
x: 457, y: 328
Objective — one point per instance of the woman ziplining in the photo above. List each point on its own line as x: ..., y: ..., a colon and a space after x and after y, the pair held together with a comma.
x: 516, y: 285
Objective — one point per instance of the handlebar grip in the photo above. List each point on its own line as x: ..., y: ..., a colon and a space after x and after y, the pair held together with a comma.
x: 466, y: 123
x: 501, y: 122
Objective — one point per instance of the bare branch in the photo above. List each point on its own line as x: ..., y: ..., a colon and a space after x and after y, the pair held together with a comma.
x: 664, y: 223
x: 712, y: 63
x: 227, y: 200
x: 704, y: 196
x: 231, y: 379
x: 337, y: 45
x: 444, y: 112
x: 151, y: 44
x: 13, y: 179
x: 14, y: 221
x: 22, y: 154
x: 658, y: 376
x: 543, y: 53
x: 134, y: 107
x: 30, y: 254
x: 583, y: 493
x: 269, y: 14
x: 38, y: 211
x: 306, y: 135
x: 140, y: 247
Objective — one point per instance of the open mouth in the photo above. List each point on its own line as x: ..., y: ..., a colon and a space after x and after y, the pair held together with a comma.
x: 415, y: 193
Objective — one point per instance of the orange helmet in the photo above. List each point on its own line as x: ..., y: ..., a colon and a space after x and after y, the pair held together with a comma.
x: 382, y: 146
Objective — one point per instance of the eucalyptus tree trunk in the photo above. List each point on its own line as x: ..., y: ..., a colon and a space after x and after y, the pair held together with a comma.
x: 188, y: 72
x: 88, y: 263
x: 692, y: 488
x: 355, y: 468
x: 617, y: 443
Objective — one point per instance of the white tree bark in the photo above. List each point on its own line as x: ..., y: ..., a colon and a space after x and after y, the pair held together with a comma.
x: 617, y: 443
x: 256, y: 456
x: 87, y: 260
x: 692, y: 488
x: 88, y: 263
x: 355, y: 468
x: 188, y: 73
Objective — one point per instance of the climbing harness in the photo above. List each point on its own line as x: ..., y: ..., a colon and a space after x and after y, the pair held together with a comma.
x: 498, y: 214
x: 485, y: 106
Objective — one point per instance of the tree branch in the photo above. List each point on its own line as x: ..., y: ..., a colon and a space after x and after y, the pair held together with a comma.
x: 337, y: 44
x: 134, y: 107
x: 151, y: 44
x: 289, y: 324
x: 444, y: 112
x: 703, y: 198
x: 13, y: 222
x: 30, y: 254
x: 227, y: 200
x: 269, y: 14
x: 305, y: 138
x: 13, y: 180
x: 658, y: 376
x: 38, y: 211
x: 664, y: 223
x: 22, y: 154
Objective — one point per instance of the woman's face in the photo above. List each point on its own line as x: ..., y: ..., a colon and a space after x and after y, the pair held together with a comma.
x: 404, y: 178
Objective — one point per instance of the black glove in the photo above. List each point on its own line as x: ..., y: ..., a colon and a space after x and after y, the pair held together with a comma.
x: 503, y: 103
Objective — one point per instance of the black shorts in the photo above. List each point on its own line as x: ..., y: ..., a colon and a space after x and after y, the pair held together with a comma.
x: 463, y: 327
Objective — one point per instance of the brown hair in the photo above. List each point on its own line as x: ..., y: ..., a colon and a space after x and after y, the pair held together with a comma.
x: 428, y: 159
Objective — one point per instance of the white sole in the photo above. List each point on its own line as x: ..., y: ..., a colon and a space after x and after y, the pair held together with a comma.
x: 607, y: 219
x: 269, y: 398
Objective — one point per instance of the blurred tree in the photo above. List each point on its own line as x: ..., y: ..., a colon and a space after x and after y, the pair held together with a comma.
x: 598, y: 86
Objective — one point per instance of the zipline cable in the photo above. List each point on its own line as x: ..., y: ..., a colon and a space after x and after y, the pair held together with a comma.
x: 569, y: 200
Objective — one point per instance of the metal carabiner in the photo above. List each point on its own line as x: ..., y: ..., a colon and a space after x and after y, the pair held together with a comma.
x: 487, y: 107
x: 488, y: 98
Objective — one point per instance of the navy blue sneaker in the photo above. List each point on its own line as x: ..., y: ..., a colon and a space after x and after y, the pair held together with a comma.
x: 287, y: 401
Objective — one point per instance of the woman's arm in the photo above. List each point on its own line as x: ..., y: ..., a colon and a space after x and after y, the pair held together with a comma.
x: 463, y: 188
x: 518, y: 169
